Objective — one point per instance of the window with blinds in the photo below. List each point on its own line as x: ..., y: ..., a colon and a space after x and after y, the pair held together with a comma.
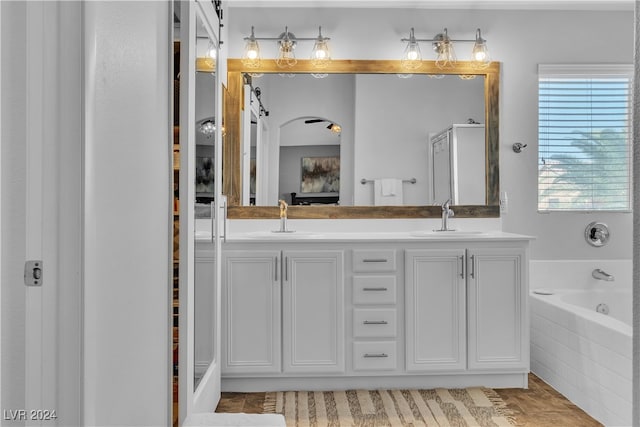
x: 584, y: 128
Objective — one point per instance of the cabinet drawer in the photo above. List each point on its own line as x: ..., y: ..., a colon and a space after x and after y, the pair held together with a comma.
x: 374, y: 356
x: 374, y: 260
x: 374, y: 322
x: 374, y: 290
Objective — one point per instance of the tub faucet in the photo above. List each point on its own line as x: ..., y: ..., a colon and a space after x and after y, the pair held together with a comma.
x: 447, y: 213
x: 601, y: 275
x: 283, y: 216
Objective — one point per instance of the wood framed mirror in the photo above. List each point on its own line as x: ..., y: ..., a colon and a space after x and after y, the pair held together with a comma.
x: 233, y: 154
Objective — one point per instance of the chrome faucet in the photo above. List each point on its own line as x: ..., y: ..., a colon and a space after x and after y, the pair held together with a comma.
x: 283, y: 216
x: 447, y: 213
x: 601, y: 275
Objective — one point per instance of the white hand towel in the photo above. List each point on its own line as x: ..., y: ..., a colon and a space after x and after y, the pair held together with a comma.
x: 387, y: 192
x: 389, y: 186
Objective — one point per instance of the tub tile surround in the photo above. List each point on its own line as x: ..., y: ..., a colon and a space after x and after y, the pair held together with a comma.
x: 587, y: 360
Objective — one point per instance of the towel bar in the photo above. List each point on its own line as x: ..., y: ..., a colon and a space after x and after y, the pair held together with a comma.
x: 411, y: 181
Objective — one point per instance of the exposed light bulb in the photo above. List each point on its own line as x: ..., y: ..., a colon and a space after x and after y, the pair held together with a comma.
x: 212, y: 52
x: 251, y: 54
x: 480, y: 53
x: 412, y: 57
x: 320, y: 54
x: 210, y: 55
x: 479, y: 56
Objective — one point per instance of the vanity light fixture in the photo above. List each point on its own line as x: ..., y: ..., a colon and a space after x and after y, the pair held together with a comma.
x: 412, y: 58
x: 443, y: 46
x: 286, y: 44
x: 210, y: 54
x: 480, y: 52
x: 445, y: 53
x: 287, y: 41
x: 320, y: 54
x: 251, y: 54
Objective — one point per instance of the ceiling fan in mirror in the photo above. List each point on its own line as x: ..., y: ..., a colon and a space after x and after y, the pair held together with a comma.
x: 333, y: 127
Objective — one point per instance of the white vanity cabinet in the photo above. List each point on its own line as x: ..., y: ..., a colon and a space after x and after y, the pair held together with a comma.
x: 374, y: 309
x: 497, y: 292
x: 299, y: 293
x: 391, y: 311
x: 466, y: 309
x: 313, y: 311
x: 251, y: 320
x: 435, y: 309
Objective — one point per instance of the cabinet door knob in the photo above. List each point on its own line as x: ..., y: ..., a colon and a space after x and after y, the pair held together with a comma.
x: 374, y: 289
x: 369, y: 355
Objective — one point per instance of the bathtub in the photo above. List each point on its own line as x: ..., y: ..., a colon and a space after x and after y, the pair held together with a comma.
x: 583, y: 353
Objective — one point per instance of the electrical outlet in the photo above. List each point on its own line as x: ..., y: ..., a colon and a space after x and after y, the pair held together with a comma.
x: 504, y: 203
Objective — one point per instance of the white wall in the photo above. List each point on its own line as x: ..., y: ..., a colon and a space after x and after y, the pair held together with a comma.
x: 393, y: 120
x: 520, y: 40
x: 127, y: 213
x: 335, y: 101
x: 290, y: 167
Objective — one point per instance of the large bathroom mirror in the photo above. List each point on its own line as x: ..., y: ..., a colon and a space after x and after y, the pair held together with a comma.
x: 383, y: 161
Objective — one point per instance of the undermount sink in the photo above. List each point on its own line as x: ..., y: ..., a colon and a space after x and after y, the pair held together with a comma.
x: 291, y: 234
x: 448, y: 233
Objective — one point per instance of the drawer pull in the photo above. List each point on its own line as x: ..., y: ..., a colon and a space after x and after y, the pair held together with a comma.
x: 375, y: 289
x: 375, y: 322
x: 374, y: 260
x: 368, y: 355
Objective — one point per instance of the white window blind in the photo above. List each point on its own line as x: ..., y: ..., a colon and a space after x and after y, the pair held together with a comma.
x: 584, y: 119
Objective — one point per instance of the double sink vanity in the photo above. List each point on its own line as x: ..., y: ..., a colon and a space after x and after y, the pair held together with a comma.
x: 327, y: 310
x: 367, y: 305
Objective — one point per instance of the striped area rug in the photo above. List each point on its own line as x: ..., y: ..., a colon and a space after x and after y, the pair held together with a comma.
x: 368, y: 408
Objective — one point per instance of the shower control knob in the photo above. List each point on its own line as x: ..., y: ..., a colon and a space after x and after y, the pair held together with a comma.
x: 597, y: 234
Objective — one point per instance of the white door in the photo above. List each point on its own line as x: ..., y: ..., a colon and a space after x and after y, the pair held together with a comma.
x: 40, y: 349
x: 435, y: 309
x: 198, y: 23
x: 498, y: 328
x: 313, y: 311
x: 40, y: 328
x: 251, y: 303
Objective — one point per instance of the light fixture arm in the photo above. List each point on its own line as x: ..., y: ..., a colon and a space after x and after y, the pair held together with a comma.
x: 291, y: 37
x: 436, y: 40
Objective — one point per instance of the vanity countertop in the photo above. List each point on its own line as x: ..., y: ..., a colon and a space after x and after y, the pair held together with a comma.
x: 406, y: 236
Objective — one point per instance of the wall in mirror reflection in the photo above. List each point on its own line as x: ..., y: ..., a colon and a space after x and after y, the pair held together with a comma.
x: 386, y: 122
